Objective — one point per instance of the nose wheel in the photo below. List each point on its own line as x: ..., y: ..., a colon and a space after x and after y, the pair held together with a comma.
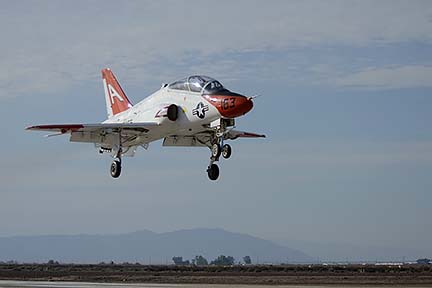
x: 213, y: 172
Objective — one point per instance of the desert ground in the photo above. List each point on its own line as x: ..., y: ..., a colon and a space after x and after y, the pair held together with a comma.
x: 401, y: 275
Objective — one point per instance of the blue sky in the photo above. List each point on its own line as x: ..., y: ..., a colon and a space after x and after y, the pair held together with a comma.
x: 346, y: 99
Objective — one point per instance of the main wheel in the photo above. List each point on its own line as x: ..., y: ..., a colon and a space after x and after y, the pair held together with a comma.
x: 172, y: 112
x: 115, y: 169
x: 216, y: 150
x: 213, y: 172
x: 226, y: 151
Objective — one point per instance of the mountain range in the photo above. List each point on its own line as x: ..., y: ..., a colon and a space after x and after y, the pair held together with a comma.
x: 146, y: 247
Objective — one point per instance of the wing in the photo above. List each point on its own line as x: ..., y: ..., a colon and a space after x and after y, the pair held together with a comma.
x: 104, y: 134
x: 203, y: 139
x: 108, y: 127
x: 234, y: 134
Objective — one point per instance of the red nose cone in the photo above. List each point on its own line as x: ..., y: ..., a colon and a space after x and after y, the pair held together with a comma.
x: 230, y: 106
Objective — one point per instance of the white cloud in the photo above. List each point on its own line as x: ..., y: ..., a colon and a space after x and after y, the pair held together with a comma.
x: 48, y: 46
x: 389, y: 78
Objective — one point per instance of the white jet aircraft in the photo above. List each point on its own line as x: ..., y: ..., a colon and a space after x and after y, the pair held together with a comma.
x: 194, y: 111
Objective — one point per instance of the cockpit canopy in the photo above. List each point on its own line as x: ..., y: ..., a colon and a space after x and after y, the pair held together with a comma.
x: 197, y: 83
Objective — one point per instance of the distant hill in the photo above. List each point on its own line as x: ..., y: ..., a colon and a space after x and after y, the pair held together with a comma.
x: 145, y: 247
x: 341, y: 252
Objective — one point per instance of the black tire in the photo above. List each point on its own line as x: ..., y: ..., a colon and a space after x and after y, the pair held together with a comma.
x: 115, y: 169
x: 226, y: 151
x: 172, y: 112
x: 216, y: 150
x: 213, y: 172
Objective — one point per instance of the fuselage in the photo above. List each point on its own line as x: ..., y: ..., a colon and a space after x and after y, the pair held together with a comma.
x: 196, y: 111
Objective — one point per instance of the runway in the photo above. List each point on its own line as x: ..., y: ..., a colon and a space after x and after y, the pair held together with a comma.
x: 45, y: 284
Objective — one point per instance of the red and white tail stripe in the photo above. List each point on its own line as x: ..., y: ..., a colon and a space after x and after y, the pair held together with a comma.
x: 116, y: 99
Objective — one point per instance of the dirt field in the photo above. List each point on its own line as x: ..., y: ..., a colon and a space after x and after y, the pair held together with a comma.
x: 277, y: 275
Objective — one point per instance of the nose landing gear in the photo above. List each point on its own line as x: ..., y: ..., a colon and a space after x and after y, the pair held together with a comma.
x: 216, y: 151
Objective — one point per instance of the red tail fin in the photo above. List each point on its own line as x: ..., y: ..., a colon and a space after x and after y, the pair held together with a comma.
x: 116, y: 99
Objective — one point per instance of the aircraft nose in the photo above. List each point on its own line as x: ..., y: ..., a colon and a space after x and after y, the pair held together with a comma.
x: 231, y: 106
x: 245, y: 104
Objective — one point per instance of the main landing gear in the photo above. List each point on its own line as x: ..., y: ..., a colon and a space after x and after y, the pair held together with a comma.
x: 226, y: 151
x: 116, y: 168
x: 216, y: 151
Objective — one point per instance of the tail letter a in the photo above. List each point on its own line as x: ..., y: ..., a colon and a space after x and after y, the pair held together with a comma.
x: 116, y: 99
